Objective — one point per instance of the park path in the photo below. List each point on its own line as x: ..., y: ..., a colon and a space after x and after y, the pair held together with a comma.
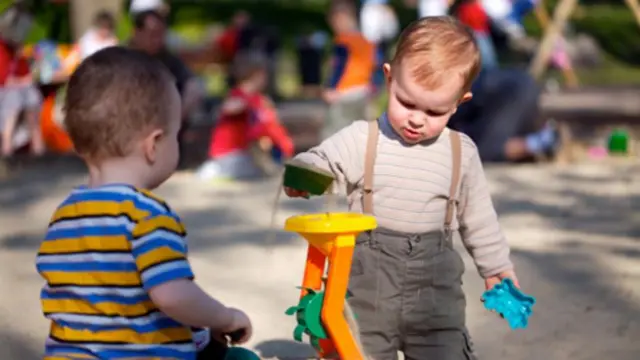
x: 575, y: 235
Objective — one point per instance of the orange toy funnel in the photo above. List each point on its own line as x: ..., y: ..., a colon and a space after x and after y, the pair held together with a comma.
x: 332, y: 239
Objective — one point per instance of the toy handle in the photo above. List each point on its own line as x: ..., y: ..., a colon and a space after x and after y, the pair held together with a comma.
x: 236, y: 335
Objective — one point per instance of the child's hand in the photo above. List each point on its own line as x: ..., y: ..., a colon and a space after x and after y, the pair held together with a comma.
x: 265, y: 144
x: 295, y: 193
x: 492, y: 281
x: 241, y: 325
x: 330, y: 96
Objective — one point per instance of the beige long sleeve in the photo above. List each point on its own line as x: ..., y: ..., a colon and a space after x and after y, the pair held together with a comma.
x: 411, y: 186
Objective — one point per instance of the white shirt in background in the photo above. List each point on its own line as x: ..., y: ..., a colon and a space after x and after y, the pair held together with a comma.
x: 138, y: 6
x: 433, y: 8
x: 497, y: 9
x: 90, y: 43
x: 378, y: 22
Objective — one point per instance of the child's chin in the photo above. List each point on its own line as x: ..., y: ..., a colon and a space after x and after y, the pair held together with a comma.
x: 412, y: 141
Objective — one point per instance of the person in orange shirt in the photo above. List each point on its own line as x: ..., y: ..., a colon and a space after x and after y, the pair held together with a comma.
x: 352, y: 67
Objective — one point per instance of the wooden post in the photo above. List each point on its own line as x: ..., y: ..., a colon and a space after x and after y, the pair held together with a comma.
x: 634, y: 5
x: 570, y: 77
x: 560, y: 16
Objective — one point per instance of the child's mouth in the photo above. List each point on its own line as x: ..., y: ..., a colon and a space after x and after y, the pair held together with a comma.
x: 411, y: 134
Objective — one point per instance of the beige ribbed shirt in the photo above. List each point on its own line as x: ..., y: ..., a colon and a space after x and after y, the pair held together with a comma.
x: 411, y: 186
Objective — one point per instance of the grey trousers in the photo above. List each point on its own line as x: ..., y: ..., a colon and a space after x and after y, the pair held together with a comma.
x: 407, y: 296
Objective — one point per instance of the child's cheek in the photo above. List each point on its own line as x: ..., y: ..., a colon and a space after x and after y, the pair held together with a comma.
x: 396, y: 112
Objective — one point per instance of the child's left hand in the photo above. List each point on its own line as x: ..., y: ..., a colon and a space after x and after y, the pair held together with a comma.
x: 330, y: 96
x: 492, y: 281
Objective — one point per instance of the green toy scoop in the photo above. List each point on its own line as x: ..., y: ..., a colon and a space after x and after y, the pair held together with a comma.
x: 306, y: 177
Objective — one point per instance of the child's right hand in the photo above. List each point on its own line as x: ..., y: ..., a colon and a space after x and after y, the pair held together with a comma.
x: 296, y: 193
x: 241, y: 324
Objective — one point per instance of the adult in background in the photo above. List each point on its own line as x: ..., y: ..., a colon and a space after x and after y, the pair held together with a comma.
x: 501, y: 118
x: 149, y: 36
x: 502, y: 115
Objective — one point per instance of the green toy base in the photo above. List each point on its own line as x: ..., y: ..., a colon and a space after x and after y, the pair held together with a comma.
x: 238, y: 353
x: 305, y: 177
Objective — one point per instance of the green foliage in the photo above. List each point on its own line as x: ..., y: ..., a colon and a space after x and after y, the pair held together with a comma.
x: 615, y: 29
x: 124, y: 28
x: 290, y: 17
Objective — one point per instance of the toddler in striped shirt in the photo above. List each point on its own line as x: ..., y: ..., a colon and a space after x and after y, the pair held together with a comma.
x: 114, y: 258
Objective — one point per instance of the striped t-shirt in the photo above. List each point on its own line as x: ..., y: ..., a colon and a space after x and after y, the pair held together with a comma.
x: 105, y: 248
x: 411, y: 187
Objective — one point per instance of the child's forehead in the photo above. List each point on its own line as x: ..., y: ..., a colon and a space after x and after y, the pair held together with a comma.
x: 431, y: 90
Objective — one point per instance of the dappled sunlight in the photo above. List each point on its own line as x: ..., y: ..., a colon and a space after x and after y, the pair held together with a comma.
x: 574, y: 234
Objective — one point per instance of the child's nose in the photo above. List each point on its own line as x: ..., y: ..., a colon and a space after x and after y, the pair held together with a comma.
x: 416, y: 121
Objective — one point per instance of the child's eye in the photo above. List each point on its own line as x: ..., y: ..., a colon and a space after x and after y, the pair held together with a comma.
x: 435, y: 113
x: 406, y: 104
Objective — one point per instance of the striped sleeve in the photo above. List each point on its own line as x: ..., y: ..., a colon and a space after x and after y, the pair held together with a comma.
x: 342, y: 153
x: 160, y: 251
x: 479, y: 226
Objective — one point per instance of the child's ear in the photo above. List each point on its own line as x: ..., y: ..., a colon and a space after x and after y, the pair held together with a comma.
x: 386, y: 68
x: 466, y: 97
x: 150, y: 145
x: 463, y: 99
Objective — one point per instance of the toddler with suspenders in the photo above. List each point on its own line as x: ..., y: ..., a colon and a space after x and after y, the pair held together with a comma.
x: 423, y: 182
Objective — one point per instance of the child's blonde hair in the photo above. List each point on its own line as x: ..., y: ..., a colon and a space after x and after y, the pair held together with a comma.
x: 435, y: 47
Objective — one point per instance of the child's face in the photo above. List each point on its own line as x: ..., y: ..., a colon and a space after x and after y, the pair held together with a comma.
x: 416, y: 113
x: 259, y: 80
x: 161, y: 146
x: 104, y: 31
x: 339, y: 21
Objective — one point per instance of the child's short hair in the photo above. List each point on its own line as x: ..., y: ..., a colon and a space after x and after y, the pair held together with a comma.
x: 441, y: 46
x: 342, y: 6
x: 113, y: 97
x: 104, y: 19
x: 248, y: 63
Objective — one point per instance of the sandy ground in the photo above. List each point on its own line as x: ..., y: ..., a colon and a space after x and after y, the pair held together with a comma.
x: 575, y: 234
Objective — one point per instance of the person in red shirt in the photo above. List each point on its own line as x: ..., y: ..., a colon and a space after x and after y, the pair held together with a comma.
x: 472, y: 14
x: 227, y: 43
x: 18, y: 95
x: 248, y: 139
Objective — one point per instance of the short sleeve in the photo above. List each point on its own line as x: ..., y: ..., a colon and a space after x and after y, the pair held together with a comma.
x: 22, y: 67
x: 160, y: 250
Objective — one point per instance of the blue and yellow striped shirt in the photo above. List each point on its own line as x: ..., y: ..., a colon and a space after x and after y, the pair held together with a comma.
x: 105, y: 248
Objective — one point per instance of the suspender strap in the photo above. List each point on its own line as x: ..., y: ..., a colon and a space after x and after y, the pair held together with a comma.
x: 456, y: 153
x: 370, y: 159
x: 369, y: 162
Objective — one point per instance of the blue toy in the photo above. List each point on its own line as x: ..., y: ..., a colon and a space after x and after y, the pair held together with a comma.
x: 512, y: 304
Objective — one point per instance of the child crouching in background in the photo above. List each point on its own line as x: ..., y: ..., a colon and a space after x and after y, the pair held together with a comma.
x: 248, y: 139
